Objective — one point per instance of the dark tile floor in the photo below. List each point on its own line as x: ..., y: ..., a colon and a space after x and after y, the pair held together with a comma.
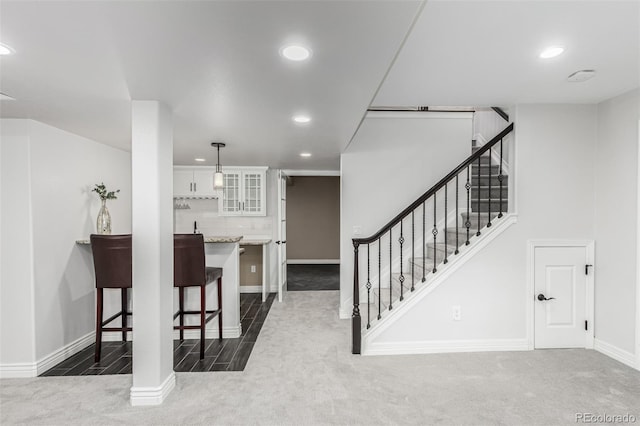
x: 220, y: 355
x: 313, y: 277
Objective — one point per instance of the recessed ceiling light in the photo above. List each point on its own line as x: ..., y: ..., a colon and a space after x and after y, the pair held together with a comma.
x: 305, y: 154
x: 551, y: 52
x: 200, y: 159
x: 5, y: 50
x: 302, y: 119
x: 295, y: 52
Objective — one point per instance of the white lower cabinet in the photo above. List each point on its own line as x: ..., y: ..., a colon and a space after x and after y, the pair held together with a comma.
x: 244, y: 192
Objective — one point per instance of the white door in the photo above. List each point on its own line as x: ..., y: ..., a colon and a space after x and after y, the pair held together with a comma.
x: 282, y: 234
x: 560, y: 297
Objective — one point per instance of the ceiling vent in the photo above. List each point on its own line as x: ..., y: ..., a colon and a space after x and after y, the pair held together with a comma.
x: 582, y: 75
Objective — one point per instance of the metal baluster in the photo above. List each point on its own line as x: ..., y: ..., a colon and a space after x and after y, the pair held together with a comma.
x: 489, y: 202
x: 478, y: 203
x: 424, y: 242
x: 401, y: 241
x: 446, y: 247
x: 500, y: 178
x: 413, y: 251
x: 390, y: 270
x: 467, y: 224
x: 379, y: 277
x: 434, y: 231
x: 368, y: 288
x: 457, y: 213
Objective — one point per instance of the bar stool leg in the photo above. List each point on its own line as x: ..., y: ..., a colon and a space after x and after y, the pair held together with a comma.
x: 203, y: 323
x: 98, y: 325
x: 181, y: 311
x: 124, y: 314
x: 220, y: 307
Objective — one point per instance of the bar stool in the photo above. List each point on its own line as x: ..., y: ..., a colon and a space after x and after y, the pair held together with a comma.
x: 112, y: 263
x: 189, y: 270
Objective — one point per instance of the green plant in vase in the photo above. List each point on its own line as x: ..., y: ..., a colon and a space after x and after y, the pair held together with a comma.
x: 103, y: 224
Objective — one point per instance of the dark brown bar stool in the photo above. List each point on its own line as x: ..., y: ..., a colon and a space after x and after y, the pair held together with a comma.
x: 189, y: 270
x: 112, y: 263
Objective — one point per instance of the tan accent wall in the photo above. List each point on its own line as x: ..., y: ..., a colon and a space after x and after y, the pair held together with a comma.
x: 313, y: 217
x: 252, y: 256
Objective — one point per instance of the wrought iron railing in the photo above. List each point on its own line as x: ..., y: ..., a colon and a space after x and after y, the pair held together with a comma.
x: 426, y: 206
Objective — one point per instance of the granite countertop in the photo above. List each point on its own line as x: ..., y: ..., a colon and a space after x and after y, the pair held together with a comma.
x: 254, y: 242
x: 207, y: 239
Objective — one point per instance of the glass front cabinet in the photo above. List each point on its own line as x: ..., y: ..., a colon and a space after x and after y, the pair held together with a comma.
x: 244, y: 192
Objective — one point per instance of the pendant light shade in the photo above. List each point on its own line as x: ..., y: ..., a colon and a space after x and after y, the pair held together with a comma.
x: 218, y: 176
x: 218, y: 180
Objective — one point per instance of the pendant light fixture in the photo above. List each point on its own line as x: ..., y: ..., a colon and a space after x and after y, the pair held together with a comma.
x: 218, y: 177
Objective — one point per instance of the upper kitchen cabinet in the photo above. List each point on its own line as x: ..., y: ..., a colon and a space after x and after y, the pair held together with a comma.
x: 193, y: 182
x: 244, y: 192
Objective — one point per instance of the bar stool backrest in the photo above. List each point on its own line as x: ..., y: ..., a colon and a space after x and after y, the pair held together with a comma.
x: 188, y: 260
x: 112, y: 260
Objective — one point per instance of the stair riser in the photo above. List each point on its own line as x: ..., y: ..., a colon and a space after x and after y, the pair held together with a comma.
x: 484, y: 169
x: 440, y: 247
x: 483, y: 206
x: 462, y: 235
x: 495, y: 192
x: 484, y: 218
x: 484, y: 181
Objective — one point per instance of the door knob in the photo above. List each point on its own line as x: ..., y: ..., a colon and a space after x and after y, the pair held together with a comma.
x: 542, y: 298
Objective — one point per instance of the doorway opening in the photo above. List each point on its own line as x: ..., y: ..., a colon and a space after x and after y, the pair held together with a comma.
x: 313, y: 232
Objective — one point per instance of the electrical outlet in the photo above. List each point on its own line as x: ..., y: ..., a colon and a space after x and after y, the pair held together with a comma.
x: 253, y: 268
x: 357, y: 231
x: 456, y: 312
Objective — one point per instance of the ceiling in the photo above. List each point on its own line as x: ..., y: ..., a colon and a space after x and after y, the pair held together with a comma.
x: 486, y: 53
x: 78, y: 64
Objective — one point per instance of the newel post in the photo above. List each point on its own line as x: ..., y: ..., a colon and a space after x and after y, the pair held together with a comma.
x: 356, y: 328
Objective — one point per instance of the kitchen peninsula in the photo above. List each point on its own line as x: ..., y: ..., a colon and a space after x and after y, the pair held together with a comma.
x: 222, y: 252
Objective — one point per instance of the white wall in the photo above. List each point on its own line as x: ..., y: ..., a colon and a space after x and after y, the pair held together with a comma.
x: 17, y: 323
x: 616, y: 221
x: 62, y: 169
x: 555, y: 147
x: 393, y: 160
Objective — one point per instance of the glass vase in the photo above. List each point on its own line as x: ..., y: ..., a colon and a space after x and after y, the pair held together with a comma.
x: 103, y: 225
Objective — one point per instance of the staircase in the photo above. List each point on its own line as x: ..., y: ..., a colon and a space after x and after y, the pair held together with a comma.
x: 406, y: 254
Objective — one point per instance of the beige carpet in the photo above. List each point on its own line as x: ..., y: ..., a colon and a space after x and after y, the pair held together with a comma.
x: 301, y: 373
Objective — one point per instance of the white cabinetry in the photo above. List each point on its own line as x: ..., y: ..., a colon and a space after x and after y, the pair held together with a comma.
x: 193, y: 182
x: 244, y: 192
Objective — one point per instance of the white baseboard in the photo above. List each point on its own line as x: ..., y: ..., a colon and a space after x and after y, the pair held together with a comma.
x: 250, y: 289
x: 444, y: 346
x: 616, y: 353
x: 22, y: 370
x: 313, y: 261
x: 141, y: 396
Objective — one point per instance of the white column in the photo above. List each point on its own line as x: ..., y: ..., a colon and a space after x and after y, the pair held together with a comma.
x: 152, y: 228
